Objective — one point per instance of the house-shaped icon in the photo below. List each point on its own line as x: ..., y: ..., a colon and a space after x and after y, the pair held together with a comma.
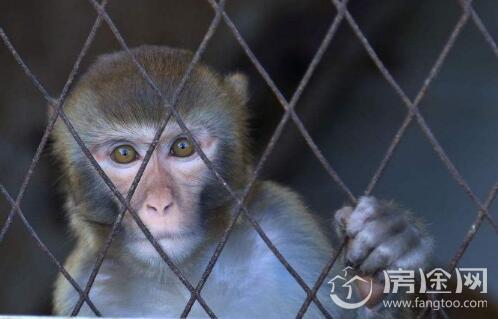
x: 347, y: 284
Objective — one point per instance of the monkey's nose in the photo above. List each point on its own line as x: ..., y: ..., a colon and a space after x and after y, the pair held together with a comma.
x: 158, y: 208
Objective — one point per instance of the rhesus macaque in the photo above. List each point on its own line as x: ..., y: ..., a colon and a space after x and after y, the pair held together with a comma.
x: 116, y: 112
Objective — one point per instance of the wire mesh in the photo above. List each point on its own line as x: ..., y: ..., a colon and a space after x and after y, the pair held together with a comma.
x: 413, y: 113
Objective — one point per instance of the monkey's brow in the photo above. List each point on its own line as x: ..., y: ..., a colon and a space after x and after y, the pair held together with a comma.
x: 169, y: 136
x: 115, y: 141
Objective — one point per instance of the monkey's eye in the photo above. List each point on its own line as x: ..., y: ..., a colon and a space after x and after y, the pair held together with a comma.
x: 182, y: 147
x: 124, y: 154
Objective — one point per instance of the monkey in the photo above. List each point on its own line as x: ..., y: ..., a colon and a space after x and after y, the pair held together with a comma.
x: 116, y: 112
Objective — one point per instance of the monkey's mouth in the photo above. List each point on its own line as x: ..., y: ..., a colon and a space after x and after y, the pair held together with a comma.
x: 177, y: 245
x: 169, y: 236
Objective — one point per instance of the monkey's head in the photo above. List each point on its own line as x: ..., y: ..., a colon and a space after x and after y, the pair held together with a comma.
x: 117, y: 112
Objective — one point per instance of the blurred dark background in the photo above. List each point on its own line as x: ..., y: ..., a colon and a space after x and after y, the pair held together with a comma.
x: 349, y: 109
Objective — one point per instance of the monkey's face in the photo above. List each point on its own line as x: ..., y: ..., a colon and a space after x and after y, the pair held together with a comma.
x: 117, y: 113
x: 167, y: 198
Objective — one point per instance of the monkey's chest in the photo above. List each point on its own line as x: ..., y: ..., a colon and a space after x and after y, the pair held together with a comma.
x: 122, y: 294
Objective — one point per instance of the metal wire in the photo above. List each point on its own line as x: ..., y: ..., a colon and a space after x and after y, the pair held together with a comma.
x: 289, y: 114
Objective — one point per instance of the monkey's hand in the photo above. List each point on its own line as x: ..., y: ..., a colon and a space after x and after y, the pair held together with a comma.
x: 381, y: 236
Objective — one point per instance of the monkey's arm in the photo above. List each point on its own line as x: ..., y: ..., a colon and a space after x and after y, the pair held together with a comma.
x: 65, y: 297
x: 381, y: 236
x: 300, y: 239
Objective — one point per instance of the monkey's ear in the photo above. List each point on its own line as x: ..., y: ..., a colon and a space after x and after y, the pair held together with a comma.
x: 239, y: 84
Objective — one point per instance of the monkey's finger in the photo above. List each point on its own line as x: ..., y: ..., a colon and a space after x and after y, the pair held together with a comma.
x: 342, y: 216
x: 373, y: 234
x: 367, y: 209
x: 390, y: 251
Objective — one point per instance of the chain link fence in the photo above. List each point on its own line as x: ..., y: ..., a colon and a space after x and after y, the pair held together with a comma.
x: 343, y: 16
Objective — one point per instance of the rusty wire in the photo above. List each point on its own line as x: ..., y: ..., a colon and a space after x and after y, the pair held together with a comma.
x: 289, y: 113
